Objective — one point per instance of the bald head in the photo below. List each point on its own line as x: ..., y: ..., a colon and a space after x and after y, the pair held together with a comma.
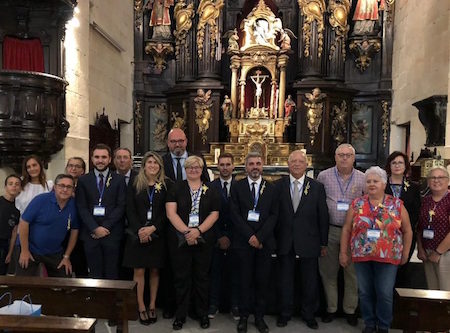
x: 177, y: 141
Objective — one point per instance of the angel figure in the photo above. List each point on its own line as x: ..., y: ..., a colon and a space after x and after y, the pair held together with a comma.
x: 202, y: 97
x: 314, y: 113
x: 233, y: 40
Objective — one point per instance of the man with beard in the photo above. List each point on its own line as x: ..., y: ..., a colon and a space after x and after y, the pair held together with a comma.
x: 100, y: 198
x: 174, y: 160
x: 254, y: 215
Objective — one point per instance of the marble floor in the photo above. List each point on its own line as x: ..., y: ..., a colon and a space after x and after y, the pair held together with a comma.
x: 224, y: 323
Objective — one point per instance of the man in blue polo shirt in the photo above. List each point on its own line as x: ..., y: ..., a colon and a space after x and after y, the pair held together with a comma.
x: 43, y: 228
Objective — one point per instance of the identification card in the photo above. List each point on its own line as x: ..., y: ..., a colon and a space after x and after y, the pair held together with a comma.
x: 149, y: 215
x: 99, y: 211
x: 253, y: 216
x: 342, y: 206
x: 428, y: 233
x: 373, y: 233
x: 194, y: 220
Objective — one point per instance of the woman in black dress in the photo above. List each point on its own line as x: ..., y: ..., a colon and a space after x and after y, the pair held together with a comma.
x: 192, y: 208
x: 146, y: 218
x: 397, y: 168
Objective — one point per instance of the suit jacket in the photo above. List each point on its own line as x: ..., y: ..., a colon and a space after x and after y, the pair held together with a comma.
x: 306, y: 230
x: 223, y: 224
x: 241, y: 203
x: 169, y: 171
x: 114, y: 201
x: 133, y: 175
x: 410, y: 195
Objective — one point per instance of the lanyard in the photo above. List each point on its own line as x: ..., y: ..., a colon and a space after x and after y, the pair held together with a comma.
x: 102, y: 190
x: 372, y: 209
x: 150, y: 196
x: 255, y: 203
x: 339, y: 182
x: 195, y: 198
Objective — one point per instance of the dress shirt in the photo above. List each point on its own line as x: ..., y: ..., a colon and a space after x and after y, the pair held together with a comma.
x: 182, y: 160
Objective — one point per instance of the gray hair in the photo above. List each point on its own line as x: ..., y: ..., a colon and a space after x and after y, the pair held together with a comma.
x: 439, y: 167
x: 298, y: 151
x: 376, y: 170
x: 345, y: 145
x: 252, y: 154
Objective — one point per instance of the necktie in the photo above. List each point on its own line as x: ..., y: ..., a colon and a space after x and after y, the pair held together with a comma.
x: 179, y: 171
x: 225, y: 189
x: 254, y: 191
x: 127, y: 179
x: 295, y: 196
x: 100, y: 182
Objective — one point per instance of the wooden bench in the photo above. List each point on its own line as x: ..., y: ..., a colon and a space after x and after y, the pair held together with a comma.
x: 94, y: 298
x: 421, y: 310
x: 47, y: 324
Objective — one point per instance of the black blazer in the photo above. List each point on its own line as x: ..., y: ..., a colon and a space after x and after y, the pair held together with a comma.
x: 209, y: 202
x: 241, y: 203
x: 410, y: 195
x: 114, y: 201
x: 133, y: 175
x: 138, y: 204
x: 306, y: 230
x: 169, y: 171
x: 223, y: 225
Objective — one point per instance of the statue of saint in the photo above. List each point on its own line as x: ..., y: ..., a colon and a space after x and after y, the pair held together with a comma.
x: 227, y: 107
x: 366, y: 14
x: 289, y: 106
x: 160, y: 18
x: 258, y: 80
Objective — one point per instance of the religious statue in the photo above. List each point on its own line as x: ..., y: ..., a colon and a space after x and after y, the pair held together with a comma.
x: 289, y: 106
x: 203, y: 107
x: 261, y: 32
x: 366, y: 14
x: 314, y: 113
x: 233, y: 40
x: 208, y: 13
x: 258, y: 80
x: 227, y: 107
x: 160, y: 18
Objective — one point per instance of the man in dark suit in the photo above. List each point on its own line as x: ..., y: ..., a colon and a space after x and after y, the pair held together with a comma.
x: 175, y: 158
x: 254, y: 215
x: 100, y: 197
x: 223, y: 272
x: 124, y: 164
x: 302, y: 232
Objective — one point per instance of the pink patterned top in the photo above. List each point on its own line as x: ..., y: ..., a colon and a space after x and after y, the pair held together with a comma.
x: 386, y: 221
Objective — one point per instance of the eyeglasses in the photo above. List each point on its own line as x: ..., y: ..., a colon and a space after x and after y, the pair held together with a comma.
x: 398, y: 163
x: 65, y: 187
x: 193, y: 168
x: 179, y: 142
x: 341, y: 155
x: 74, y: 166
x: 438, y: 178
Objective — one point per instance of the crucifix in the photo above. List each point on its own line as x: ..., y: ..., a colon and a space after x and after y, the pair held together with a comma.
x: 258, y: 80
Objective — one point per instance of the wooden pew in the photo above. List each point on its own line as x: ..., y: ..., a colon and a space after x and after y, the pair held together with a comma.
x: 47, y: 324
x: 94, y: 298
x: 421, y: 310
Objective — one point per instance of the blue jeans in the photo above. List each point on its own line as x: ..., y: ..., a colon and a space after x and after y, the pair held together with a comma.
x: 376, y: 288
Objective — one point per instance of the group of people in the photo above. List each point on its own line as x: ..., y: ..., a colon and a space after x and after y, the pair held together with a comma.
x: 196, y: 235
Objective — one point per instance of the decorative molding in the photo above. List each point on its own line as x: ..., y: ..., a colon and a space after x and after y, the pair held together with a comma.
x: 159, y: 51
x: 339, y: 122
x: 160, y: 130
x: 183, y: 23
x: 385, y: 121
x: 314, y: 112
x: 339, y: 10
x: 208, y: 14
x: 138, y: 10
x: 180, y: 122
x: 364, y: 50
x: 312, y: 11
x: 138, y: 121
x: 107, y: 36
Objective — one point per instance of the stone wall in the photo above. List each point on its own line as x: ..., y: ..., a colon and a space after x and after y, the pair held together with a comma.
x: 420, y: 67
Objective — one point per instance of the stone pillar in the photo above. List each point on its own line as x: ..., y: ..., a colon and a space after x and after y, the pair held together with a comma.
x: 234, y: 83
x: 282, y: 63
x: 242, y: 98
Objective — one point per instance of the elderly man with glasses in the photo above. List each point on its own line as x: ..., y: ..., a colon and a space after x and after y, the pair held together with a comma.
x: 43, y: 227
x: 342, y: 184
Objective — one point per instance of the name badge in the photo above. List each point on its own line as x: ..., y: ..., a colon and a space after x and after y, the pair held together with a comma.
x: 342, y: 206
x: 99, y: 211
x: 149, y: 215
x: 428, y: 233
x: 373, y: 233
x: 194, y: 220
x: 253, y: 216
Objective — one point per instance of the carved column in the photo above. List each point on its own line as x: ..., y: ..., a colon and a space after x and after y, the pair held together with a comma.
x: 234, y: 83
x: 282, y: 63
x: 242, y: 98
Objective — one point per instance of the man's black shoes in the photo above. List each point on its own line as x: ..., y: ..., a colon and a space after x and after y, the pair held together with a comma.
x: 242, y: 325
